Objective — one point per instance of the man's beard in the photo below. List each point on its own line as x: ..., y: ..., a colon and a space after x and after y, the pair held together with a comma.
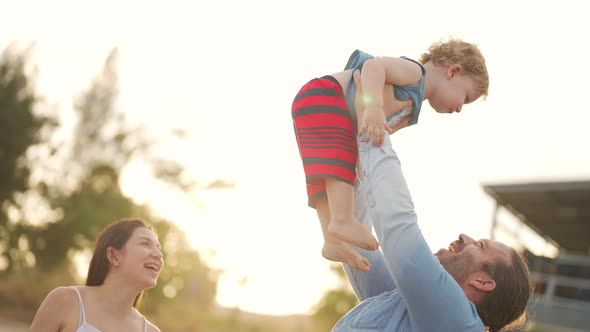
x: 459, y: 266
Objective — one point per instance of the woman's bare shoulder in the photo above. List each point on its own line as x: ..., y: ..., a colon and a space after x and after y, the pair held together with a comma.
x: 151, y: 327
x: 63, y: 296
x: 57, y: 311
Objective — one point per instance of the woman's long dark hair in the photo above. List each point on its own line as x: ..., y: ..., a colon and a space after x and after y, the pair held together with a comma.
x: 116, y: 236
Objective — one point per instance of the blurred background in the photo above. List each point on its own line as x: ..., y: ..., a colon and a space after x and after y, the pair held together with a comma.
x: 177, y: 112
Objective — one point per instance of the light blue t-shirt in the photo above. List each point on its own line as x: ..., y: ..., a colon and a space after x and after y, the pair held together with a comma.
x: 413, y: 92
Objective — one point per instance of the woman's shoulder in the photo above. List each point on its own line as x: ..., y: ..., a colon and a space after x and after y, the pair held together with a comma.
x: 59, y: 309
x: 62, y: 296
x: 151, y: 327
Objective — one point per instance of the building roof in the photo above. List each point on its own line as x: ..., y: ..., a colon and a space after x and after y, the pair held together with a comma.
x: 559, y: 211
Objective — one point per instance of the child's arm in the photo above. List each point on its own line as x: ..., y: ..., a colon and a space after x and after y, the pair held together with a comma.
x: 375, y: 74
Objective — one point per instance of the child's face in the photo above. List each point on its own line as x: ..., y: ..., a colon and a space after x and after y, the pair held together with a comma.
x: 453, y: 91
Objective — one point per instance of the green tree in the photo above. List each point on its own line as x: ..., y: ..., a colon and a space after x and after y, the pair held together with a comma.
x: 20, y: 129
x: 78, y: 180
x: 335, y: 303
x: 84, y: 194
x: 90, y: 197
x: 97, y: 202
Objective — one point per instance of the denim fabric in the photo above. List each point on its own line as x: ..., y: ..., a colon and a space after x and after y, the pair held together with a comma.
x: 406, y: 289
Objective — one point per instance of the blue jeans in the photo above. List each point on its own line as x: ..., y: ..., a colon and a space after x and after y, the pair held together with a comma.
x: 383, y: 176
x: 406, y: 289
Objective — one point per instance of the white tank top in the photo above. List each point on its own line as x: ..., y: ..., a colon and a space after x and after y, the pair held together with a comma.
x: 85, y: 327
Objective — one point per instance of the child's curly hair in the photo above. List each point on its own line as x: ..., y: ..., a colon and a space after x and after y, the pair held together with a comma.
x: 456, y: 51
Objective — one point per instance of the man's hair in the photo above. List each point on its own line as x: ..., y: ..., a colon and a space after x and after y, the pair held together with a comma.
x: 455, y: 51
x: 506, y: 304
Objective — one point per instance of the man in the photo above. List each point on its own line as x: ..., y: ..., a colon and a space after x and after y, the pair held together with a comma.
x: 470, y: 286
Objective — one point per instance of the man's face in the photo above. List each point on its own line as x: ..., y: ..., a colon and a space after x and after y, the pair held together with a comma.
x: 466, y: 256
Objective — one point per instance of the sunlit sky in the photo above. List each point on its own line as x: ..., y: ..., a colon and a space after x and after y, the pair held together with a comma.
x: 227, y: 72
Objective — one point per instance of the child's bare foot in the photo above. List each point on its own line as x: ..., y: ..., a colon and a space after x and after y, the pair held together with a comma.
x: 354, y: 233
x: 339, y: 251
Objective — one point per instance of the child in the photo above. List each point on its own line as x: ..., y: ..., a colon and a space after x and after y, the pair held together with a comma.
x: 386, y: 94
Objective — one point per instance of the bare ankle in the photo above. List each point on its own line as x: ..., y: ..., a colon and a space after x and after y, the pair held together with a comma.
x: 342, y: 220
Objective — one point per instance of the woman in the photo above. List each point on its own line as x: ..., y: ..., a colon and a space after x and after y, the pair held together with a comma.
x: 127, y: 260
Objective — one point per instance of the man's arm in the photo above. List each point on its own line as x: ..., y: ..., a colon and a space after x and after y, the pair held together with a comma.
x: 378, y: 279
x: 434, y: 300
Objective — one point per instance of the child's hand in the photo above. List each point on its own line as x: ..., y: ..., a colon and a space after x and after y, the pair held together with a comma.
x: 373, y: 124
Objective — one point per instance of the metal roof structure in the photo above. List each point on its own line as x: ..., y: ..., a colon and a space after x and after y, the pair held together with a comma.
x: 558, y: 211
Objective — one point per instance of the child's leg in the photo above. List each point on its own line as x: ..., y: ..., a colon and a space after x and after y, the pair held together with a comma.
x: 334, y: 249
x: 325, y: 133
x: 343, y: 225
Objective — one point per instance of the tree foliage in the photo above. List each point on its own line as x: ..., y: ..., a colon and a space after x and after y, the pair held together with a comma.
x: 335, y: 303
x: 20, y: 128
x: 78, y: 182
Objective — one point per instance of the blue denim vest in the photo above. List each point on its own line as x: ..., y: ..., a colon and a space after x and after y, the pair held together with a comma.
x: 403, y: 92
